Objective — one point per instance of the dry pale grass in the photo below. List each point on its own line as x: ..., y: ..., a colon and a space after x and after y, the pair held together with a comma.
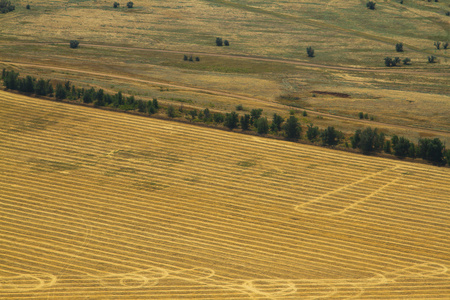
x: 105, y: 205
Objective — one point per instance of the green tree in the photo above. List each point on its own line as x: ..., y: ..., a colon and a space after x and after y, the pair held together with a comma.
x: 171, y: 111
x: 312, y: 133
x: 431, y: 150
x: 142, y: 106
x: 74, y: 44
x: 310, y: 51
x: 41, y: 87
x: 231, y: 120
x: 371, y: 5
x: 116, y: 4
x: 151, y: 107
x: 401, y: 147
x: 219, y: 118
x: 155, y: 103
x: 219, y: 42
x: 262, y: 126
x: 60, y: 93
x: 255, y: 115
x: 387, y: 147
x: 292, y: 128
x: 6, y: 6
x: 245, y: 122
x: 331, y: 136
x: 130, y: 4
x: 277, y: 121
x: 399, y: 47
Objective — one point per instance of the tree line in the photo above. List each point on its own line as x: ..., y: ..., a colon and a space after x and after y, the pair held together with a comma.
x: 371, y: 140
x: 368, y: 140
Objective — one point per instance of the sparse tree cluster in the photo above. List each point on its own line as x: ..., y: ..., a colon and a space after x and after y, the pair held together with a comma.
x: 190, y: 58
x: 438, y: 45
x: 220, y: 42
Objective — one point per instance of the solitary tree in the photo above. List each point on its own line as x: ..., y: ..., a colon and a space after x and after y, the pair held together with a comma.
x: 399, y: 47
x: 74, y: 44
x: 226, y: 43
x: 310, y: 51
x: 116, y: 4
x: 431, y: 59
x: 371, y: 5
x: 219, y: 42
x: 437, y: 44
x: 130, y: 4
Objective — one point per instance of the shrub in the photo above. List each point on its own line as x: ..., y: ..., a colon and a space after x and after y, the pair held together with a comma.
x: 197, y: 58
x: 310, y: 51
x: 185, y: 57
x: 366, y: 116
x: 226, y: 43
x: 219, y: 42
x: 305, y: 114
x: 432, y: 59
x: 28, y: 6
x: 447, y: 13
x: 130, y: 4
x: 399, y: 47
x: 116, y: 4
x: 370, y: 5
x: 74, y: 44
x: 239, y: 107
x: 407, y: 61
x: 361, y: 115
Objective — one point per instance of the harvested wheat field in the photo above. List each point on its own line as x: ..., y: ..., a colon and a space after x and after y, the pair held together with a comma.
x: 103, y: 205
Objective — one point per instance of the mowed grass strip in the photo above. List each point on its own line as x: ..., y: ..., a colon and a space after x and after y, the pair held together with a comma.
x: 110, y: 205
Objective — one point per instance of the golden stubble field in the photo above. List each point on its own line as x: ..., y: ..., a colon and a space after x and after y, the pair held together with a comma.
x: 104, y: 205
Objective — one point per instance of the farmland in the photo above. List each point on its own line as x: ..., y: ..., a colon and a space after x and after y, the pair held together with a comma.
x: 266, y: 59
x: 104, y: 205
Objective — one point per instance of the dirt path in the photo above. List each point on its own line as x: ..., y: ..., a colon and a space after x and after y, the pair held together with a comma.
x: 236, y: 96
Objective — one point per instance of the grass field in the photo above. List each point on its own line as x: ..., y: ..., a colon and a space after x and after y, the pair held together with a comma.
x: 344, y: 34
x: 104, y: 205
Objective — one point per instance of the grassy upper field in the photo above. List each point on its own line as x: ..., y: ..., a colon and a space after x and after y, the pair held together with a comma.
x: 105, y: 205
x: 350, y: 43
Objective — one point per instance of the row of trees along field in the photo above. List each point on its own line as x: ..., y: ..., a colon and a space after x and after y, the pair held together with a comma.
x: 42, y: 87
x: 371, y: 140
x: 368, y: 140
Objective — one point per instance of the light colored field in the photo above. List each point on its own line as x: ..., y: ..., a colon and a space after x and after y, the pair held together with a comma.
x: 104, y: 205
